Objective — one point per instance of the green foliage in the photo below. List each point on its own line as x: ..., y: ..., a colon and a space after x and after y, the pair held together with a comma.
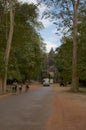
x: 82, y: 61
x: 82, y: 42
x: 27, y: 46
x: 4, y: 29
x: 64, y: 59
x: 26, y: 51
x: 59, y: 12
x: 64, y: 53
x: 1, y: 63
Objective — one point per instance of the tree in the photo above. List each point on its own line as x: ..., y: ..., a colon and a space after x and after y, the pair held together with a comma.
x: 81, y: 44
x: 64, y: 52
x: 63, y: 58
x: 51, y: 65
x: 75, y: 86
x: 62, y: 9
x: 20, y: 43
x: 7, y: 7
x: 26, y: 50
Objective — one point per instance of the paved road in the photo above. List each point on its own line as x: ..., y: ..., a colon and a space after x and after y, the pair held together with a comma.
x: 26, y: 111
x: 45, y: 108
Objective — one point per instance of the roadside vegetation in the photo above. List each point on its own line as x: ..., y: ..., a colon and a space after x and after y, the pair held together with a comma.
x: 69, y: 18
x: 21, y: 53
x: 64, y: 52
x: 22, y: 49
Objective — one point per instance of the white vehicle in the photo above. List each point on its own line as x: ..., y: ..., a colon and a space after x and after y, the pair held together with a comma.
x: 46, y: 82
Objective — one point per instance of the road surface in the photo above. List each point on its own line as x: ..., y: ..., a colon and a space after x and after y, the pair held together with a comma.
x: 26, y: 111
x: 44, y: 108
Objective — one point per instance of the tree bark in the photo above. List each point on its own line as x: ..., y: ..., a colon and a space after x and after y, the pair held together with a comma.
x: 9, y: 42
x: 75, y: 81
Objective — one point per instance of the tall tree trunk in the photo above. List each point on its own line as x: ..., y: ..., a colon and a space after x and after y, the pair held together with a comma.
x: 9, y: 41
x: 75, y: 81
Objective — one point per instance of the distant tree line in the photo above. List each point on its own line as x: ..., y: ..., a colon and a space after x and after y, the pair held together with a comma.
x: 64, y: 52
x: 68, y: 15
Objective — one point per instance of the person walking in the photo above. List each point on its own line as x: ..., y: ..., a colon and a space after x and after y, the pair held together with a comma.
x: 14, y: 87
x: 26, y: 85
x: 20, y: 87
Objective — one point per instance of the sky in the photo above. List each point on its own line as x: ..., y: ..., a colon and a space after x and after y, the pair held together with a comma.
x: 48, y: 32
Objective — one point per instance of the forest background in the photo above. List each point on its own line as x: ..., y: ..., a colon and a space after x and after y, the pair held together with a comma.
x: 23, y: 51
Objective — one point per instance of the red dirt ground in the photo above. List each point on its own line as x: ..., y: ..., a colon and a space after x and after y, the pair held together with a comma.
x: 68, y: 110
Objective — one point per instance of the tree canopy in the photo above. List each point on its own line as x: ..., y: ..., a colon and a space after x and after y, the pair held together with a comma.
x: 27, y: 49
x: 64, y: 52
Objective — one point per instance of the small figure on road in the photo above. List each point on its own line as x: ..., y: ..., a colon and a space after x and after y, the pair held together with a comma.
x: 14, y: 87
x: 26, y: 85
x: 20, y: 87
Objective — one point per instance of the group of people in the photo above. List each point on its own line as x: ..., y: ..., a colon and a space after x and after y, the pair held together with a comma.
x: 18, y: 86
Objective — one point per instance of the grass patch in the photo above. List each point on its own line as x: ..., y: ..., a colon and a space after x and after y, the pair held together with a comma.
x: 82, y: 90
